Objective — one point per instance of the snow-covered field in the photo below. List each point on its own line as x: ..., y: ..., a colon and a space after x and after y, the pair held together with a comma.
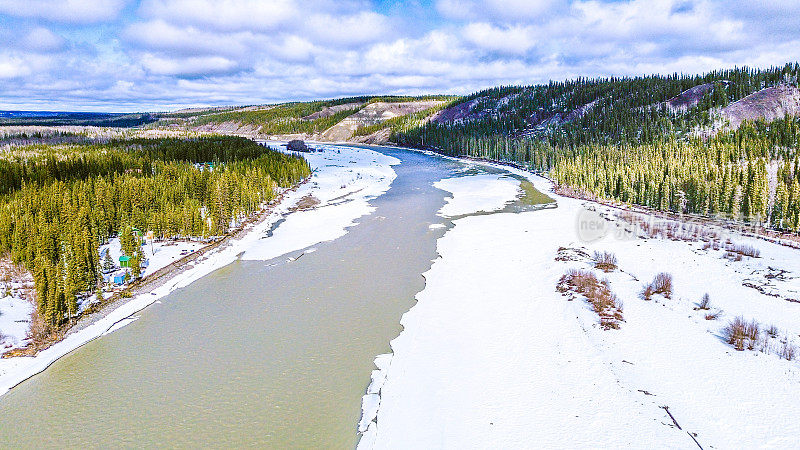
x: 15, y: 316
x: 493, y: 356
x: 344, y: 179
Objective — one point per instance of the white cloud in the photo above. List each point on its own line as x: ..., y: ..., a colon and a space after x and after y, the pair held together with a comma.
x: 203, y: 65
x: 72, y: 11
x: 159, y: 35
x: 363, y: 28
x: 12, y: 67
x: 225, y: 15
x: 42, y: 39
x: 511, y: 39
x: 498, y: 10
x: 292, y: 48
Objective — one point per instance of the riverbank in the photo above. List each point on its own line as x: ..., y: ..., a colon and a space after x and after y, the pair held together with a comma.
x: 493, y: 355
x: 343, y: 181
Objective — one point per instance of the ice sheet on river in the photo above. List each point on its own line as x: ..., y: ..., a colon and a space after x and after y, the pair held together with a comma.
x: 344, y: 181
x: 477, y: 193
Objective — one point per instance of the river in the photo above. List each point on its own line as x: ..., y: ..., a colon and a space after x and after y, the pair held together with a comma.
x: 270, y: 354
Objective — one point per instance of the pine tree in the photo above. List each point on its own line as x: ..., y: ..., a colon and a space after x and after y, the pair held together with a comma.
x: 108, y: 263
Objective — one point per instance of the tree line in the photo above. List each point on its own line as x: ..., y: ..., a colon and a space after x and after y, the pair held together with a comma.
x: 60, y: 203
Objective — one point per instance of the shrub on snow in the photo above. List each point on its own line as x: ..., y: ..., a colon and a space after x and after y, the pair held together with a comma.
x: 605, y: 261
x: 661, y: 284
x: 740, y: 333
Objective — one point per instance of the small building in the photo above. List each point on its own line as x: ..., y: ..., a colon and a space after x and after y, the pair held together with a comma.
x: 124, y: 261
x: 117, y: 277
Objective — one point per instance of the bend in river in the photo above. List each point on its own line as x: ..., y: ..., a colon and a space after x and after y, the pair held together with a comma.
x: 274, y: 353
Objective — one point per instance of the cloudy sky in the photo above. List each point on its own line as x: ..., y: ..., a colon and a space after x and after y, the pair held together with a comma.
x: 141, y: 55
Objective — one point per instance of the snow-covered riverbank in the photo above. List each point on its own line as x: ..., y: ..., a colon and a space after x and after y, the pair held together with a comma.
x: 493, y: 356
x: 343, y: 181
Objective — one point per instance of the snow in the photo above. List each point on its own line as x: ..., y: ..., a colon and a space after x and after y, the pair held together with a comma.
x: 477, y: 193
x: 158, y: 254
x: 498, y: 358
x: 344, y: 179
x: 15, y: 316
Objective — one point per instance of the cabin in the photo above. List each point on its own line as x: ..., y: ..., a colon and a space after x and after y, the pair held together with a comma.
x: 117, y: 277
x: 124, y: 261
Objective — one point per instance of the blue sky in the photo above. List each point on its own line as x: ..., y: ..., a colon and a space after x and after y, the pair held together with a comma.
x: 145, y: 55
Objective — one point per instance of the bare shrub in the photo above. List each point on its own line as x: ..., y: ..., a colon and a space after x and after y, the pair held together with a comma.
x: 647, y: 293
x: 705, y: 302
x: 598, y: 293
x: 788, y: 351
x: 741, y: 333
x: 765, y: 345
x: 605, y: 261
x: 580, y: 281
x: 772, y: 331
x: 752, y: 332
x: 743, y: 249
x: 661, y: 284
x: 735, y: 333
x: 39, y: 328
x: 713, y: 315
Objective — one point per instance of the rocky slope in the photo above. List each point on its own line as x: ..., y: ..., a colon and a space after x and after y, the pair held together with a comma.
x: 767, y: 104
x: 373, y: 114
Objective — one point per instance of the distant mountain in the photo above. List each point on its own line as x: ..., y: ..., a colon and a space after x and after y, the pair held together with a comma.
x: 56, y: 118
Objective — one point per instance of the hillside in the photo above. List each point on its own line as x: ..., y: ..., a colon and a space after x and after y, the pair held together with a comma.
x: 374, y: 114
x: 768, y: 104
x: 330, y: 121
x: 722, y: 144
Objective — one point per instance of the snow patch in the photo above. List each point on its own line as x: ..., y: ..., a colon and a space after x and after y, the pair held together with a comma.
x: 477, y: 193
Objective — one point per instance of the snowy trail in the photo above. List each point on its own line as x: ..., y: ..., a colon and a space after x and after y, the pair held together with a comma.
x: 492, y: 356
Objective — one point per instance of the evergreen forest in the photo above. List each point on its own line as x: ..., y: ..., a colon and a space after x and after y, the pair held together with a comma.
x: 59, y: 203
x: 657, y: 141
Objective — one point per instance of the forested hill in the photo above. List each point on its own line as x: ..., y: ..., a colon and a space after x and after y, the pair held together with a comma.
x: 606, y: 110
x: 707, y: 144
x: 343, y: 119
